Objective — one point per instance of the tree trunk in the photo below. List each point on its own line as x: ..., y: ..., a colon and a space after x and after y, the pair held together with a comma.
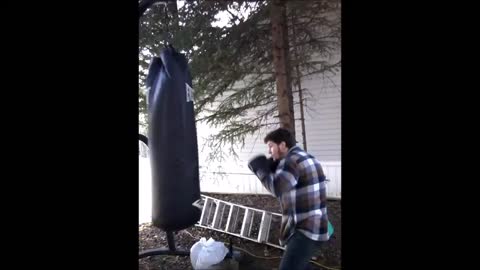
x: 173, y: 9
x: 299, y: 81
x: 278, y: 17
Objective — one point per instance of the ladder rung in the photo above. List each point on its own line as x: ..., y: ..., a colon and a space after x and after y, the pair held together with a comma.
x: 227, y: 228
x: 251, y: 223
x: 217, y: 218
x: 234, y: 224
x: 221, y: 218
x: 246, y: 222
x: 209, y: 223
x: 264, y: 227
x: 268, y: 233
x: 204, y: 215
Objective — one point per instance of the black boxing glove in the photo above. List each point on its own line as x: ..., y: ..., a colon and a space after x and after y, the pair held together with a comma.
x: 259, y: 166
x: 272, y: 164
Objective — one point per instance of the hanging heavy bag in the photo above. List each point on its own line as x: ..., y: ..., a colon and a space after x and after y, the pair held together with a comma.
x: 172, y: 142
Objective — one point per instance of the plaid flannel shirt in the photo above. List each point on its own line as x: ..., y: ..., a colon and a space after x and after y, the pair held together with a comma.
x: 299, y: 184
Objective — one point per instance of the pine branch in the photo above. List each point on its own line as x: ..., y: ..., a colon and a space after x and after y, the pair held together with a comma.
x: 224, y: 57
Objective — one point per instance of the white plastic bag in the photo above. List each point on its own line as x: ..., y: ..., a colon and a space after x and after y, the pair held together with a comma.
x: 204, y: 254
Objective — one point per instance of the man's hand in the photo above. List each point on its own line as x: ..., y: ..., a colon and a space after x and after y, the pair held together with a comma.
x: 259, y: 166
x: 272, y: 164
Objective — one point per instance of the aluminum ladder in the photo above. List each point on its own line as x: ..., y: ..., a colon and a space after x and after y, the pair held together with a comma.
x: 254, y: 224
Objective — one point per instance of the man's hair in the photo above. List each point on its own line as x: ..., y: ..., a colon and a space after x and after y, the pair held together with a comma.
x: 281, y: 135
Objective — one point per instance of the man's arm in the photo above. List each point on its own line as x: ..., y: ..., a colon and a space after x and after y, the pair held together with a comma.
x: 261, y: 167
x: 286, y: 177
x: 276, y: 183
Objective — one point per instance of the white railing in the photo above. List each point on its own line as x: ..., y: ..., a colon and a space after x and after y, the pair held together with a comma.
x: 247, y: 183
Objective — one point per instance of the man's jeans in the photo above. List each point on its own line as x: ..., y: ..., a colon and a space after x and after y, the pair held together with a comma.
x: 298, y: 252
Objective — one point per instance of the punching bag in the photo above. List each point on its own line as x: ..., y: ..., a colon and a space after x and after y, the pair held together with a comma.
x: 172, y: 142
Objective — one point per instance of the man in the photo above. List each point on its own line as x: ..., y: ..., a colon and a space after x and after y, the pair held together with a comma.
x: 297, y: 180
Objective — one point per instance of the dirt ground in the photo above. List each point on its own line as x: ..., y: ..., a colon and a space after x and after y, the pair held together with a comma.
x: 152, y: 237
